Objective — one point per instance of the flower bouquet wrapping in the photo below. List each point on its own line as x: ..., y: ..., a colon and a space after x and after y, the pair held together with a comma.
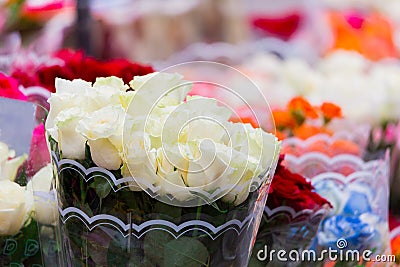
x: 292, y: 215
x: 19, y: 243
x: 30, y: 173
x: 176, y: 184
x: 387, y: 136
x: 358, y: 191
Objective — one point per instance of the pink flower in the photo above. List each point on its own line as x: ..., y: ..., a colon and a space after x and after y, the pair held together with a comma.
x: 392, y: 133
x: 9, y: 88
x: 39, y: 155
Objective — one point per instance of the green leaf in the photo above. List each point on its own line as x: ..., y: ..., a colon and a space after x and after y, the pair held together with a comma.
x: 118, y: 254
x: 185, y: 251
x: 154, y: 243
x: 101, y: 186
x: 21, y: 178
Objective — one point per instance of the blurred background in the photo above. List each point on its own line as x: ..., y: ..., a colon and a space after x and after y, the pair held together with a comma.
x: 163, y: 31
x: 340, y: 51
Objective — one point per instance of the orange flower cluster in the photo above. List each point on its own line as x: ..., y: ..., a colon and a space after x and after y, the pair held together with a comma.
x: 294, y: 120
x: 368, y: 34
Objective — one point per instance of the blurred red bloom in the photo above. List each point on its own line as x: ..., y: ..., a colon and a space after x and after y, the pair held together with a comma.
x: 9, y: 88
x: 292, y: 190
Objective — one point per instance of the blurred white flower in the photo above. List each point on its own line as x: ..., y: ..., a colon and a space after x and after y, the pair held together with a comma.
x: 9, y: 164
x: 45, y: 204
x: 15, y: 206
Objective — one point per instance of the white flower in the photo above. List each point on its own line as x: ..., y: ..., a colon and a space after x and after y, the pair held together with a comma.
x: 45, y: 206
x: 9, y: 165
x: 157, y: 90
x: 196, y: 148
x: 69, y: 94
x: 15, y: 204
x: 104, y: 154
x: 72, y: 143
x: 80, y: 112
x: 172, y: 142
x: 103, y: 130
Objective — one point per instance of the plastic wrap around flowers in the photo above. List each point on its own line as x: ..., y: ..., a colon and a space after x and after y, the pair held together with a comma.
x: 359, y: 195
x: 292, y: 215
x: 145, y: 168
x: 19, y: 213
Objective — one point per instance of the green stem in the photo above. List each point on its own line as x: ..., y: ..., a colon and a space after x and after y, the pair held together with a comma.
x: 83, y: 192
x: 198, y: 212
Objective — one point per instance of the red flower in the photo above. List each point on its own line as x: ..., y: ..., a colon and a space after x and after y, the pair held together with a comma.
x: 78, y: 66
x: 292, y: 190
x: 25, y: 78
x: 9, y: 88
x: 282, y: 27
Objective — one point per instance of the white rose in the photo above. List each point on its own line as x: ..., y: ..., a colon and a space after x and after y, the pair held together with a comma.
x: 198, y: 149
x: 71, y: 143
x: 45, y: 209
x: 104, y: 154
x: 77, y: 102
x: 107, y: 91
x: 110, y: 83
x: 15, y: 204
x: 9, y: 165
x: 255, y: 152
x: 103, y: 130
x: 164, y: 89
x: 102, y: 123
x: 69, y: 94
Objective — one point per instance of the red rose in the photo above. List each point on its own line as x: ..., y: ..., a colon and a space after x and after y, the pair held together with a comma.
x: 48, y: 75
x: 9, y: 88
x: 281, y: 27
x: 75, y: 65
x: 292, y: 190
x: 25, y: 78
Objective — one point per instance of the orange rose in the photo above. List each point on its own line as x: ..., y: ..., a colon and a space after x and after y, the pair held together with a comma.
x: 330, y: 111
x: 283, y: 119
x: 299, y: 104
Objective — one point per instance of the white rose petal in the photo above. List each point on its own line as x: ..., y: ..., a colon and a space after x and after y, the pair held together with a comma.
x: 14, y: 207
x: 165, y: 89
x: 46, y: 208
x: 104, y: 154
x: 9, y: 168
x: 109, y: 83
x: 72, y: 143
x: 103, y: 123
x: 42, y: 180
x: 9, y: 165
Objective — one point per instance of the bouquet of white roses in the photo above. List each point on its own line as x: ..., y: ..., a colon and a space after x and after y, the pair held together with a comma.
x: 147, y: 174
x: 19, y: 241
